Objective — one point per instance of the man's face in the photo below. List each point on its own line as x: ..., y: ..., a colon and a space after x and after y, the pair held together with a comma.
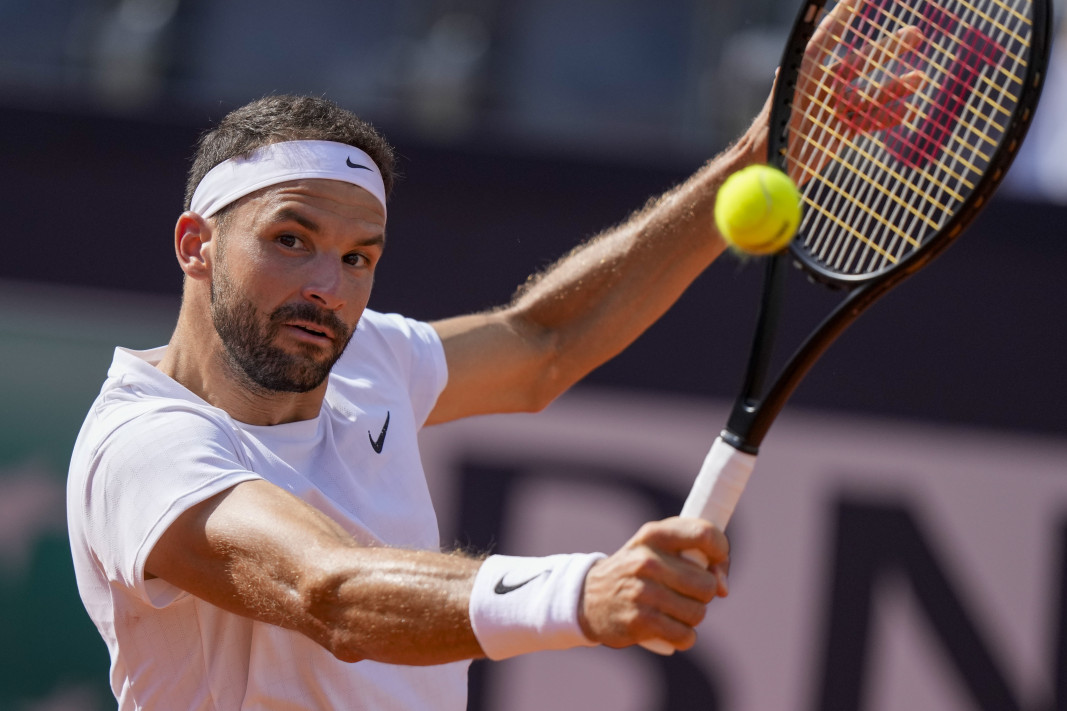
x: 293, y: 271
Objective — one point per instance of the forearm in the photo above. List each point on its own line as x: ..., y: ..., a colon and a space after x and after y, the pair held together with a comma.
x: 257, y: 551
x: 395, y: 606
x: 420, y: 608
x: 599, y: 298
x: 591, y: 304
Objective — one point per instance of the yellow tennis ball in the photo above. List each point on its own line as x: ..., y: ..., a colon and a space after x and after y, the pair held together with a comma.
x: 757, y: 210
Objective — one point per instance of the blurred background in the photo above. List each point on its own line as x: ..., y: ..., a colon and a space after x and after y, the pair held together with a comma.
x: 522, y: 127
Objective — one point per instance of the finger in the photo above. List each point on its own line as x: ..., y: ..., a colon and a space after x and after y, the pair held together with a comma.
x: 873, y: 108
x: 676, y: 602
x: 676, y: 535
x: 689, y: 578
x: 667, y: 615
x: 900, y: 87
x: 680, y: 635
x: 886, y: 108
x: 830, y: 30
x: 715, y: 546
x: 721, y: 572
x: 875, y: 55
x: 896, y: 88
x: 630, y: 597
x: 694, y: 568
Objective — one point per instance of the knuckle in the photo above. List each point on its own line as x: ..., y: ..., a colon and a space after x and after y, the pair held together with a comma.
x: 705, y: 594
x: 719, y: 543
x: 647, y: 566
x: 648, y: 530
x: 697, y: 615
x: 640, y: 620
x: 724, y: 539
x: 687, y: 640
x: 628, y: 594
x: 626, y: 622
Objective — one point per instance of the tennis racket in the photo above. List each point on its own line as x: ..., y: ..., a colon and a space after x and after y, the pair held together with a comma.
x: 897, y: 119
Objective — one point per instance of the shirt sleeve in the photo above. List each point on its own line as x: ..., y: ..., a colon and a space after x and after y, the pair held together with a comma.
x: 416, y: 357
x: 144, y: 475
x: 429, y: 379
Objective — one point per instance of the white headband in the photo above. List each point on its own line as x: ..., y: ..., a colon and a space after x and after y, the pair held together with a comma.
x: 281, y: 162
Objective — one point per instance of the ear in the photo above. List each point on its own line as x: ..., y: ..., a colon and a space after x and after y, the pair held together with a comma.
x: 193, y: 243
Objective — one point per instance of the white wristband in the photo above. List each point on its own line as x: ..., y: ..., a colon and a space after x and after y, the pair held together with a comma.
x: 521, y: 605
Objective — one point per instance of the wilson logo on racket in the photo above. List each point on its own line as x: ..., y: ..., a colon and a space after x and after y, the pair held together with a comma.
x: 960, y: 57
x: 899, y: 119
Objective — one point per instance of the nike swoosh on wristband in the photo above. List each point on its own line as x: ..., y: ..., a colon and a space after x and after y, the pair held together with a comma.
x: 503, y: 588
x: 350, y: 164
x: 379, y: 443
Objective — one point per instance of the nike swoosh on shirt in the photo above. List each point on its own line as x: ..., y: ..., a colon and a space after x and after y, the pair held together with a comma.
x: 379, y: 443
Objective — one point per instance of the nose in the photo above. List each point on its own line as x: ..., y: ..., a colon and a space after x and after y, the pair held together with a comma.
x: 323, y: 284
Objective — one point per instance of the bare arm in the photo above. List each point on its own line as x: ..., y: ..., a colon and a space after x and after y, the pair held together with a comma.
x: 257, y: 551
x: 596, y: 301
x: 591, y: 304
x: 260, y: 552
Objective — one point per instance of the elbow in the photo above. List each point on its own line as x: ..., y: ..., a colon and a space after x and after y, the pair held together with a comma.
x: 328, y: 621
x: 550, y: 381
x: 545, y: 393
x: 343, y: 651
x: 549, y: 371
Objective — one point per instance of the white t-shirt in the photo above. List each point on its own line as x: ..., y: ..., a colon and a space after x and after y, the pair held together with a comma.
x: 150, y: 449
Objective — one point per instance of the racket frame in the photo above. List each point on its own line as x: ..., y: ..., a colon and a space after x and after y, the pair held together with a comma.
x: 755, y: 410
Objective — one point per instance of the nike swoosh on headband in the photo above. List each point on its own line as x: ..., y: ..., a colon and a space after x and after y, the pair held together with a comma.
x: 282, y: 162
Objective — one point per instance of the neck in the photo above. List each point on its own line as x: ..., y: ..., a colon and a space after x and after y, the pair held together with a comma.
x: 197, y: 359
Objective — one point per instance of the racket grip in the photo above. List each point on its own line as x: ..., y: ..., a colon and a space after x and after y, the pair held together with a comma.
x: 719, y: 484
x: 713, y: 497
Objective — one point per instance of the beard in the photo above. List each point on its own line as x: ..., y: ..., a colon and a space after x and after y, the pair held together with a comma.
x: 249, y: 339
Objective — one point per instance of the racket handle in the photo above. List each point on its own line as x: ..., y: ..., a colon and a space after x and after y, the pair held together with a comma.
x: 719, y: 484
x: 714, y: 497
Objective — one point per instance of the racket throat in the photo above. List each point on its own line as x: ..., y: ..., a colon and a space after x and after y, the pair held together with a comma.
x: 738, y: 442
x: 743, y: 430
x: 758, y: 405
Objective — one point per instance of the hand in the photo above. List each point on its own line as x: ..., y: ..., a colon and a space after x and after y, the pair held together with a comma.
x: 646, y: 590
x: 839, y: 97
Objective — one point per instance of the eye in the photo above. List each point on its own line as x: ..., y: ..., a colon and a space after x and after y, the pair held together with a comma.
x: 356, y: 260
x: 288, y: 240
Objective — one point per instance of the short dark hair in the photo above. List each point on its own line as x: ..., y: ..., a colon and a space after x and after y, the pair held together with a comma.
x: 285, y: 117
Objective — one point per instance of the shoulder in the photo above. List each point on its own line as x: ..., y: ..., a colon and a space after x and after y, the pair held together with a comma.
x: 394, y: 329
x: 391, y: 341
x: 138, y: 400
x: 154, y: 456
x: 126, y: 427
x: 395, y: 354
x: 158, y: 436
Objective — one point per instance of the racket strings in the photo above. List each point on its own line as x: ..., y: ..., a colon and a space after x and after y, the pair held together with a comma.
x: 880, y: 249
x: 874, y: 192
x: 841, y: 209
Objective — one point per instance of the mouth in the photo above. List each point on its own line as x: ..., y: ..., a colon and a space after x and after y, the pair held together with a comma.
x: 313, y: 331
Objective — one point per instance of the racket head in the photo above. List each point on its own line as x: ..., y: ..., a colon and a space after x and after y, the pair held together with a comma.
x: 891, y: 175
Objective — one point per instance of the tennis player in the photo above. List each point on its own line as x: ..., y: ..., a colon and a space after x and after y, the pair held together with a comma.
x: 249, y: 519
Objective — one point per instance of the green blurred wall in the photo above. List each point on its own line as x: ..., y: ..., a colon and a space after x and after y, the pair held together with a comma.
x: 55, y: 347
